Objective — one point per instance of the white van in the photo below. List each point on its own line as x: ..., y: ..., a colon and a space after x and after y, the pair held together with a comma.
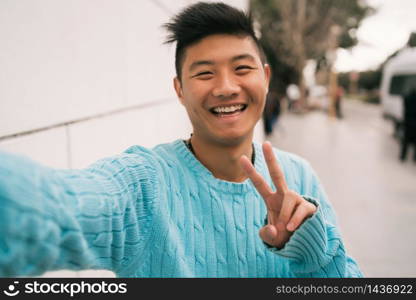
x: 399, y: 74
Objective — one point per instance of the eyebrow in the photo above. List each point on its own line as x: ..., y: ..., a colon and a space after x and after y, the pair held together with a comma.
x: 210, y: 62
x: 243, y: 56
x: 200, y: 63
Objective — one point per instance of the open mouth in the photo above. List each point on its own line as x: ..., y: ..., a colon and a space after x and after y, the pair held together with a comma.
x: 228, y: 110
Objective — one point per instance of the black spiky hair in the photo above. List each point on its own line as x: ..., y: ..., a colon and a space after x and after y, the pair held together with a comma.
x: 203, y: 19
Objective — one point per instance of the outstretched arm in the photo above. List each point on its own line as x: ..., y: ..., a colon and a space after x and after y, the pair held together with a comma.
x: 301, y: 228
x: 72, y: 219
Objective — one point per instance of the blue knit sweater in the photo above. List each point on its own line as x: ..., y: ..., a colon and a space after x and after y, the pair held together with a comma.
x: 158, y: 213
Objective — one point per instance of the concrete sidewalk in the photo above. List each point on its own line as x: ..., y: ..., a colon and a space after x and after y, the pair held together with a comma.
x: 373, y: 193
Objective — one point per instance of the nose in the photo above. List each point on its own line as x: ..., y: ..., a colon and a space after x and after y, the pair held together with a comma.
x: 226, y: 87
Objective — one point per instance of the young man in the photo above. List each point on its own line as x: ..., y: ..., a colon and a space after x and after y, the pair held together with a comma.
x: 190, y: 208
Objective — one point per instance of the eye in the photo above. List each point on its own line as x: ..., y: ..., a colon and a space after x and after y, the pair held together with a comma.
x: 243, y: 69
x: 203, y: 75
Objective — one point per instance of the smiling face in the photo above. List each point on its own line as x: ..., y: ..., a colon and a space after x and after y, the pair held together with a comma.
x: 223, y: 87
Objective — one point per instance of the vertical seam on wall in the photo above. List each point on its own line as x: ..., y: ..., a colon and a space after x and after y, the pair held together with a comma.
x: 68, y: 147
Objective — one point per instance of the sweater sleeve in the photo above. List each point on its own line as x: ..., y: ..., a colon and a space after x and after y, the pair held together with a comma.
x: 316, y: 248
x: 95, y: 218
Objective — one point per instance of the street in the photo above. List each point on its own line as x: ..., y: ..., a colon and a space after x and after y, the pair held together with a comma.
x: 373, y: 193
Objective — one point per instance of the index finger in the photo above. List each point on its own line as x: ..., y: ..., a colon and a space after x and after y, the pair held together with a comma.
x: 275, y: 171
x: 258, y: 181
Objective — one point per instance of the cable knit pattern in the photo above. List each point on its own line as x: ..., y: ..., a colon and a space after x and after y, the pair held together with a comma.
x: 158, y: 213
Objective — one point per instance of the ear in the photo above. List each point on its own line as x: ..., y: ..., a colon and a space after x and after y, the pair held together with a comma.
x: 178, y: 88
x: 267, y: 75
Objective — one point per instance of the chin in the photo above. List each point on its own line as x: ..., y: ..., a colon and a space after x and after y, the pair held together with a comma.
x: 233, y: 138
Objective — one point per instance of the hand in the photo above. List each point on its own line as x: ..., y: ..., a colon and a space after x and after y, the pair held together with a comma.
x: 286, y: 210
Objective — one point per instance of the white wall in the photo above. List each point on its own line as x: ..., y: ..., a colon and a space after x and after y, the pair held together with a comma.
x: 74, y: 74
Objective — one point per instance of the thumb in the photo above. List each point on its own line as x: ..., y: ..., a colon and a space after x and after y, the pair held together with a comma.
x: 268, y: 234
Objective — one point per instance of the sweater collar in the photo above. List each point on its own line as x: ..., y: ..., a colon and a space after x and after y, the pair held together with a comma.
x: 202, y: 172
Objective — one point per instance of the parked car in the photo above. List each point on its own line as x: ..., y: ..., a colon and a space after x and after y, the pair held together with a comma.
x: 399, y: 75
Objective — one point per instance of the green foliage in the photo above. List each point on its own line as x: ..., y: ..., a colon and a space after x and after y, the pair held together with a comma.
x: 344, y: 80
x: 293, y: 31
x: 369, y: 80
x: 349, y: 15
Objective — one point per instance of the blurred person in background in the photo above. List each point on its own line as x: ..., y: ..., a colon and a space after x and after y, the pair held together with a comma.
x: 339, y: 94
x: 189, y: 208
x: 293, y: 96
x: 409, y: 124
x: 271, y: 112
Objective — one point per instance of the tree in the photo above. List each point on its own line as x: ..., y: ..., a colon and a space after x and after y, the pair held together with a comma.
x: 294, y: 31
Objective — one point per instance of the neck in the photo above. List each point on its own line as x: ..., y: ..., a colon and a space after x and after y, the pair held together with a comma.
x: 222, y: 160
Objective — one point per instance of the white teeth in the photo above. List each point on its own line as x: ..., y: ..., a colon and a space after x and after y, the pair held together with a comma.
x: 228, y: 109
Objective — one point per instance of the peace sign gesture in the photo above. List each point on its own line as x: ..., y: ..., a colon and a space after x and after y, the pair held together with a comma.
x: 286, y: 210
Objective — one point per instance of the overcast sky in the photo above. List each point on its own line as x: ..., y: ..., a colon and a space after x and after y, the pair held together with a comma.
x: 379, y: 35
